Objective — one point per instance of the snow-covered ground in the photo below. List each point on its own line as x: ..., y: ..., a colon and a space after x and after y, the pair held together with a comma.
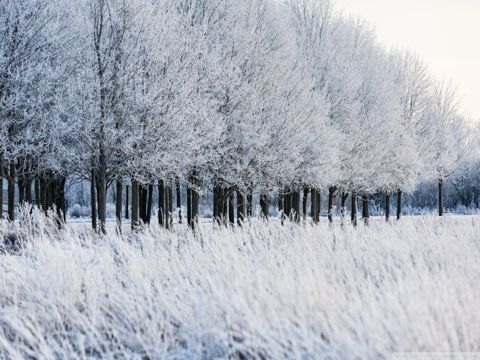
x: 263, y: 291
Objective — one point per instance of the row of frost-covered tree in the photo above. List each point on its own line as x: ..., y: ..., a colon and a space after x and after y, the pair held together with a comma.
x: 285, y: 98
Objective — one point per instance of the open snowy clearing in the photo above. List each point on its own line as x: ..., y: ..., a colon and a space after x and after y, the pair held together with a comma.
x: 263, y: 291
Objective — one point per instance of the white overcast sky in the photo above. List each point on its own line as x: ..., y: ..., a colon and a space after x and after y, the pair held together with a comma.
x: 445, y: 33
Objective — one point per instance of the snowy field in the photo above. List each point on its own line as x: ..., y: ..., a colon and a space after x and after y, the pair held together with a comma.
x: 264, y: 291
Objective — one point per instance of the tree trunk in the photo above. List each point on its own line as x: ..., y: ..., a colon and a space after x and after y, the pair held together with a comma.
x: 296, y: 206
x: 118, y: 204
x: 304, y: 204
x: 21, y: 190
x: 102, y: 192
x: 288, y: 204
x: 313, y: 205
x: 126, y: 201
x: 28, y: 191
x: 240, y: 208
x: 281, y: 208
x: 93, y: 198
x: 399, y: 204
x: 440, y: 198
x: 189, y: 206
x: 264, y: 205
x: 343, y: 199
x: 354, y: 208
x: 231, y: 207
x: 387, y: 206
x: 331, y: 194
x: 195, y: 206
x: 167, y: 205
x: 249, y: 203
x: 365, y: 208
x: 149, y: 203
x: 11, y: 193
x: 170, y: 205
x: 179, y: 201
x: 1, y: 188
x: 37, y: 192
x: 142, y: 207
x: 318, y: 206
x: 161, y: 203
x: 135, y: 205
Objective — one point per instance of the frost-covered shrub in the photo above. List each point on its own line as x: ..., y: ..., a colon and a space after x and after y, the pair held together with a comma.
x: 262, y: 291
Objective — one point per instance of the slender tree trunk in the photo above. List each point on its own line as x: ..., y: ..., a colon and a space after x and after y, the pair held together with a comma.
x: 179, y: 201
x: 167, y: 205
x: 343, y: 199
x: 399, y: 204
x: 313, y: 205
x: 240, y: 208
x: 135, y: 205
x: 143, y: 195
x: 440, y: 198
x: 387, y: 206
x: 11, y: 193
x: 102, y: 192
x: 318, y: 206
x: 28, y: 191
x: 264, y: 205
x: 365, y: 208
x: 231, y: 207
x: 304, y: 204
x: 161, y: 203
x: 281, y: 209
x: 37, y: 192
x: 296, y: 206
x: 331, y: 194
x: 354, y: 208
x: 288, y: 204
x: 21, y: 190
x: 170, y: 204
x: 126, y: 201
x: 93, y: 198
x: 195, y: 205
x: 1, y: 187
x: 118, y: 204
x: 149, y: 203
x: 189, y: 206
x: 249, y: 203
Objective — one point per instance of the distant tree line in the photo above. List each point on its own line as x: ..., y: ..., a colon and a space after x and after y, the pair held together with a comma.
x: 284, y: 98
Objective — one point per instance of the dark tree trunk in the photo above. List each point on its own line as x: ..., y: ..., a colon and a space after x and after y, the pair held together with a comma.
x: 331, y: 194
x: 37, y: 192
x: 288, y: 204
x: 21, y: 190
x: 387, y: 206
x: 365, y: 208
x: 264, y: 205
x: 143, y: 195
x: 126, y: 201
x: 231, y: 207
x: 296, y: 206
x: 149, y: 203
x: 304, y: 204
x: 399, y: 204
x: 343, y: 199
x: 167, y: 205
x: 195, y: 206
x: 28, y: 191
x: 189, y: 206
x: 354, y: 208
x: 179, y: 201
x: 118, y: 204
x: 313, y: 205
x: 1, y: 187
x: 440, y: 198
x: 318, y: 206
x: 170, y: 204
x: 135, y: 205
x: 11, y: 193
x: 102, y: 193
x: 249, y: 203
x: 281, y: 208
x: 93, y: 198
x: 161, y: 203
x: 240, y: 208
